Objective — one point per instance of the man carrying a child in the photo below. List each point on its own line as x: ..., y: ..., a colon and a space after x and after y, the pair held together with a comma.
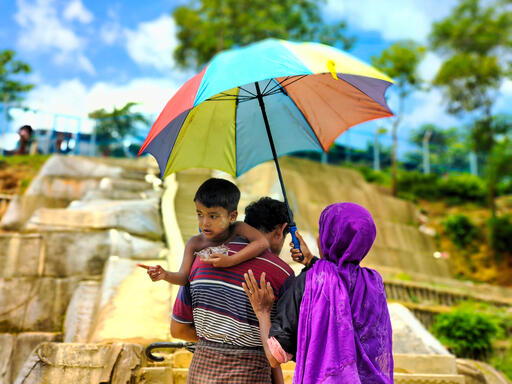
x: 213, y: 308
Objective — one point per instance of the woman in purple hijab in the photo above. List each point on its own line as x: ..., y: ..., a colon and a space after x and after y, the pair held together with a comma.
x: 333, y: 319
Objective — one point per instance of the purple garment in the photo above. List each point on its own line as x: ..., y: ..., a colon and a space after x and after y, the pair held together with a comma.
x: 344, y: 332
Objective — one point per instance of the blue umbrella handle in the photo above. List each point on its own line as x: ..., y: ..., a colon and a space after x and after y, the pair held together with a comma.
x: 295, y: 240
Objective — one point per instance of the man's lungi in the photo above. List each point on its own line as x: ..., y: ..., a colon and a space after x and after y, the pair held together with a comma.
x: 216, y: 363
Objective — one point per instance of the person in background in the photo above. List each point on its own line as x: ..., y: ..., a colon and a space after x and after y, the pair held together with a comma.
x: 26, y: 143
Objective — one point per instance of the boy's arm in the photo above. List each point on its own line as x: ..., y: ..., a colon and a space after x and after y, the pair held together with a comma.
x: 257, y: 245
x: 181, y: 277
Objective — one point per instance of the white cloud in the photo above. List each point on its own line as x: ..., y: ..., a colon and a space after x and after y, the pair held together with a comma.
x: 429, y: 66
x: 428, y: 107
x: 394, y: 19
x: 75, y: 10
x: 43, y: 30
x: 72, y: 97
x: 111, y: 32
x: 153, y: 42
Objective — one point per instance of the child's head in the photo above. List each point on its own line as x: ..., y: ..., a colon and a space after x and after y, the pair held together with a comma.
x: 216, y: 206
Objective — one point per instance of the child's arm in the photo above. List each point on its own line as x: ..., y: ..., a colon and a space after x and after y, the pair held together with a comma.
x: 277, y: 375
x: 157, y: 273
x: 257, y: 244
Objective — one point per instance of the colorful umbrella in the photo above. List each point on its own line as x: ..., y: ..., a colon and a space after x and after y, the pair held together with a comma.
x: 265, y: 100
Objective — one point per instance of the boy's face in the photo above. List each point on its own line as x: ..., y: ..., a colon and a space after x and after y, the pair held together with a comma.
x: 214, y: 221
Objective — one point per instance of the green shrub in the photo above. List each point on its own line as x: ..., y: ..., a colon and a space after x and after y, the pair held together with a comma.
x: 503, y: 363
x: 462, y: 188
x: 373, y: 176
x: 466, y: 334
x: 500, y: 234
x: 460, y: 230
x: 418, y: 184
x: 505, y: 187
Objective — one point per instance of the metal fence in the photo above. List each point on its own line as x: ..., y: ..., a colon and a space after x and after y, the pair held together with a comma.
x: 366, y: 144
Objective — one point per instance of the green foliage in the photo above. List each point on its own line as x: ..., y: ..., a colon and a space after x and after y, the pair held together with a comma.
x: 460, y: 230
x: 113, y: 126
x: 476, y: 40
x: 372, y: 176
x: 400, y: 61
x: 461, y: 188
x: 448, y: 149
x: 473, y: 38
x: 500, y: 233
x: 503, y: 363
x: 33, y: 161
x: 206, y: 27
x: 418, y: 185
x: 505, y: 187
x: 466, y: 333
x: 11, y: 88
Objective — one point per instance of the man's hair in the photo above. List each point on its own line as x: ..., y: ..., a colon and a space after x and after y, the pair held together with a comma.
x: 266, y: 214
x: 218, y: 193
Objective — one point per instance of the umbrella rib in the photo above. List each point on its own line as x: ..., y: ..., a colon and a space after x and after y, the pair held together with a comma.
x: 226, y: 97
x: 249, y: 92
x: 295, y: 79
x: 266, y: 87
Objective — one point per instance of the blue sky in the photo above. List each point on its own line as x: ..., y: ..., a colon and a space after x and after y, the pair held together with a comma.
x: 88, y: 54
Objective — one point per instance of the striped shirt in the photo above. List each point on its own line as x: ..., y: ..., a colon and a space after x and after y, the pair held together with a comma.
x: 215, y: 302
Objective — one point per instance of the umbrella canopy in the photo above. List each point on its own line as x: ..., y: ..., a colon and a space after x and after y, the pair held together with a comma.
x: 309, y: 94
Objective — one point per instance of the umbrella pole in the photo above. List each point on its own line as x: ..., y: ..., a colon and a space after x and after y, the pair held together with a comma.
x: 291, y: 222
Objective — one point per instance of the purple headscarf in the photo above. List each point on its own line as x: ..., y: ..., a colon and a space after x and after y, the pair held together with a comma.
x: 344, y: 333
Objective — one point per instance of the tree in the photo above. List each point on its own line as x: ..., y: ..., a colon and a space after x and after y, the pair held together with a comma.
x: 11, y: 88
x: 494, y: 138
x: 400, y: 61
x: 448, y: 149
x: 113, y: 126
x: 476, y: 40
x: 206, y: 27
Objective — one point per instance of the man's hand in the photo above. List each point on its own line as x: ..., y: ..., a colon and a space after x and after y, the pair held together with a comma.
x: 220, y: 260
x: 302, y: 255
x: 156, y: 272
x: 261, y: 296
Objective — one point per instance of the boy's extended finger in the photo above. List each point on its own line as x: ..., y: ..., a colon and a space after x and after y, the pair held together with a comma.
x: 143, y: 266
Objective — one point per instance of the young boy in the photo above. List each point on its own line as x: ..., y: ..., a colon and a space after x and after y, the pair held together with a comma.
x: 216, y: 207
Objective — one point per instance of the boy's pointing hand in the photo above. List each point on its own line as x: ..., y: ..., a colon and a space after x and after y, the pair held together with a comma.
x: 155, y: 273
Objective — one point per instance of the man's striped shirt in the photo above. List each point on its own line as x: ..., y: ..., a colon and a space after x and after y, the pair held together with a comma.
x: 215, y: 302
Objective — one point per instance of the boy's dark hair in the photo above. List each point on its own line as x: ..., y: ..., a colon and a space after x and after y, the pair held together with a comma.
x: 266, y: 214
x: 27, y: 128
x: 218, y: 193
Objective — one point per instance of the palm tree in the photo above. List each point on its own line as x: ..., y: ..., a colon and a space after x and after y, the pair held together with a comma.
x: 113, y: 126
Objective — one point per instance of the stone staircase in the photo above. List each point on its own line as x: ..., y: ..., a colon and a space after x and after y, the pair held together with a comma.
x: 65, y: 249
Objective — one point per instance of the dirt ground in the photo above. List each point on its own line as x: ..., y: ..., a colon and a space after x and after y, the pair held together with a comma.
x: 476, y: 262
x: 16, y: 173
